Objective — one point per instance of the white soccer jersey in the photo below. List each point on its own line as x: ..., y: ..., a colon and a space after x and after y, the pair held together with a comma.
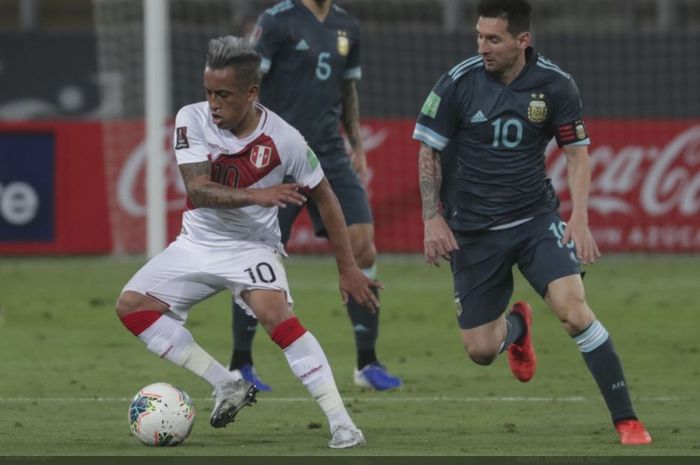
x: 261, y: 159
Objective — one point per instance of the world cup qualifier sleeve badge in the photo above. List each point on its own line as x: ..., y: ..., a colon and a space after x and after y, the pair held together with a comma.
x: 537, y: 110
x: 181, y: 141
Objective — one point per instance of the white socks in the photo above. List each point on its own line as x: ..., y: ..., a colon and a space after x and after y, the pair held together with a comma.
x: 168, y: 339
x: 308, y: 363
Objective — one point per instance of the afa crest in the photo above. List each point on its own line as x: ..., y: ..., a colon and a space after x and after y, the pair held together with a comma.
x: 537, y: 111
x: 581, y: 131
x: 343, y: 43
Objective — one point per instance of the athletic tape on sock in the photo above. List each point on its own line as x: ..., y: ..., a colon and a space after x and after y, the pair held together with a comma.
x: 592, y: 338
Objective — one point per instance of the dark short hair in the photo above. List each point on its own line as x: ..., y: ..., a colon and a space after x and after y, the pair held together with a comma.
x: 516, y: 12
x: 237, y: 53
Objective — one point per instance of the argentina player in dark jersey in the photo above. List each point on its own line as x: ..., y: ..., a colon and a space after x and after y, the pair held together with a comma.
x: 310, y: 63
x: 494, y: 114
x: 306, y: 63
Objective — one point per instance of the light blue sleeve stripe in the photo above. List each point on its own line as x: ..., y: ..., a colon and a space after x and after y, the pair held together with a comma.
x: 592, y: 338
x: 430, y: 137
x: 265, y: 65
x: 554, y: 68
x: 465, y: 63
x: 353, y: 73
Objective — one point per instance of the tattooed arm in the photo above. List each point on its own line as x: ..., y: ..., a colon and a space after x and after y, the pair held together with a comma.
x: 430, y: 180
x: 203, y: 192
x: 439, y: 241
x: 350, y: 117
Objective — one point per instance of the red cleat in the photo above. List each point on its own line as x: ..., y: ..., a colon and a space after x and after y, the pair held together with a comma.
x: 521, y: 355
x: 632, y: 433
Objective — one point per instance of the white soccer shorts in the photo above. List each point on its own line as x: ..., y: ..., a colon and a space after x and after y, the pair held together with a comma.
x: 186, y: 273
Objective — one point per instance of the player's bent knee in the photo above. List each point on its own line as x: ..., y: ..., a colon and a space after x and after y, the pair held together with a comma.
x: 576, y: 317
x: 125, y: 304
x: 481, y: 355
x: 270, y: 307
x: 270, y: 320
x: 578, y: 322
x: 130, y: 302
x: 366, y: 257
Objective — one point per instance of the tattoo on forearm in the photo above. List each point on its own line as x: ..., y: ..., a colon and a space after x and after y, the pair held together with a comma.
x: 208, y: 193
x: 430, y: 179
x: 191, y: 171
x: 350, y: 115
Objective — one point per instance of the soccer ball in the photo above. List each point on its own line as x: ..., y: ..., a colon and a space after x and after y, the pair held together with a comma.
x: 161, y: 415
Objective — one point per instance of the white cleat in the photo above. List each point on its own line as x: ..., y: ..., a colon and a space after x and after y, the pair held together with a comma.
x: 230, y: 399
x: 346, y: 436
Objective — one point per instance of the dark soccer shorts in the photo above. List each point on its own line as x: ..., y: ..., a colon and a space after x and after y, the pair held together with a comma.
x: 346, y: 186
x: 482, y: 268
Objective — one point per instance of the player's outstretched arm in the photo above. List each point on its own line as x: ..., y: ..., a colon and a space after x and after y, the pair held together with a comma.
x: 352, y: 281
x: 438, y: 240
x: 204, y: 192
x: 578, y: 169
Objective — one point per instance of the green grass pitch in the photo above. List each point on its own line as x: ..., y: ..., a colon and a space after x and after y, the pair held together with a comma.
x: 69, y: 367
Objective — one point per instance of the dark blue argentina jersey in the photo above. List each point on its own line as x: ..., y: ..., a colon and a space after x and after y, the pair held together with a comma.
x: 305, y: 62
x: 498, y: 134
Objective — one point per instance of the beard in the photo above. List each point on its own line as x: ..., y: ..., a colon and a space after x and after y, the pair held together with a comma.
x: 504, y: 70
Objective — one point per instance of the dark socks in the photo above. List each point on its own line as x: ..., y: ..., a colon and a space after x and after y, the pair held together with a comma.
x: 366, y: 328
x: 244, y: 327
x: 515, y: 329
x: 365, y: 357
x: 604, y: 364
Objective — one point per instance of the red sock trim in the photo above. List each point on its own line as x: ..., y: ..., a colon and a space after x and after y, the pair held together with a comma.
x: 285, y: 333
x: 138, y: 322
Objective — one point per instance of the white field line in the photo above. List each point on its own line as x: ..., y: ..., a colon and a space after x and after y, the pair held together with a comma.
x: 350, y: 398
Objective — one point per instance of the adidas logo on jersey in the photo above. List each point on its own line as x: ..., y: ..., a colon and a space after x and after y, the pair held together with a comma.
x: 302, y: 45
x: 478, y: 117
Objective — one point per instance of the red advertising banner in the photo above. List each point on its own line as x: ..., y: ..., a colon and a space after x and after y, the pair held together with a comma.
x: 392, y: 156
x: 645, y: 192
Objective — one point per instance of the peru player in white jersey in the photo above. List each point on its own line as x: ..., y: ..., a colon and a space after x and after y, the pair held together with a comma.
x: 260, y: 159
x: 233, y: 154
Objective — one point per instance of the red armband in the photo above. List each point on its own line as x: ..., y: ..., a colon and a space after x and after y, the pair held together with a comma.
x: 571, y: 133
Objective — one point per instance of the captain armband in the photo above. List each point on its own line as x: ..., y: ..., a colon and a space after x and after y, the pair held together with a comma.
x: 571, y: 133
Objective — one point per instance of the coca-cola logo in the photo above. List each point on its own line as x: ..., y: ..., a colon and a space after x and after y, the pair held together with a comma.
x: 656, y: 180
x: 130, y: 185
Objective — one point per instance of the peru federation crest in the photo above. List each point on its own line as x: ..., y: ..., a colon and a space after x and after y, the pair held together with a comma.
x: 343, y: 43
x: 260, y: 156
x: 537, y: 111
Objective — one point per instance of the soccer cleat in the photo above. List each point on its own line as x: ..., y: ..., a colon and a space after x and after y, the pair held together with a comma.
x: 249, y: 374
x: 521, y: 355
x: 374, y: 376
x: 632, y: 433
x: 231, y: 397
x: 346, y: 436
